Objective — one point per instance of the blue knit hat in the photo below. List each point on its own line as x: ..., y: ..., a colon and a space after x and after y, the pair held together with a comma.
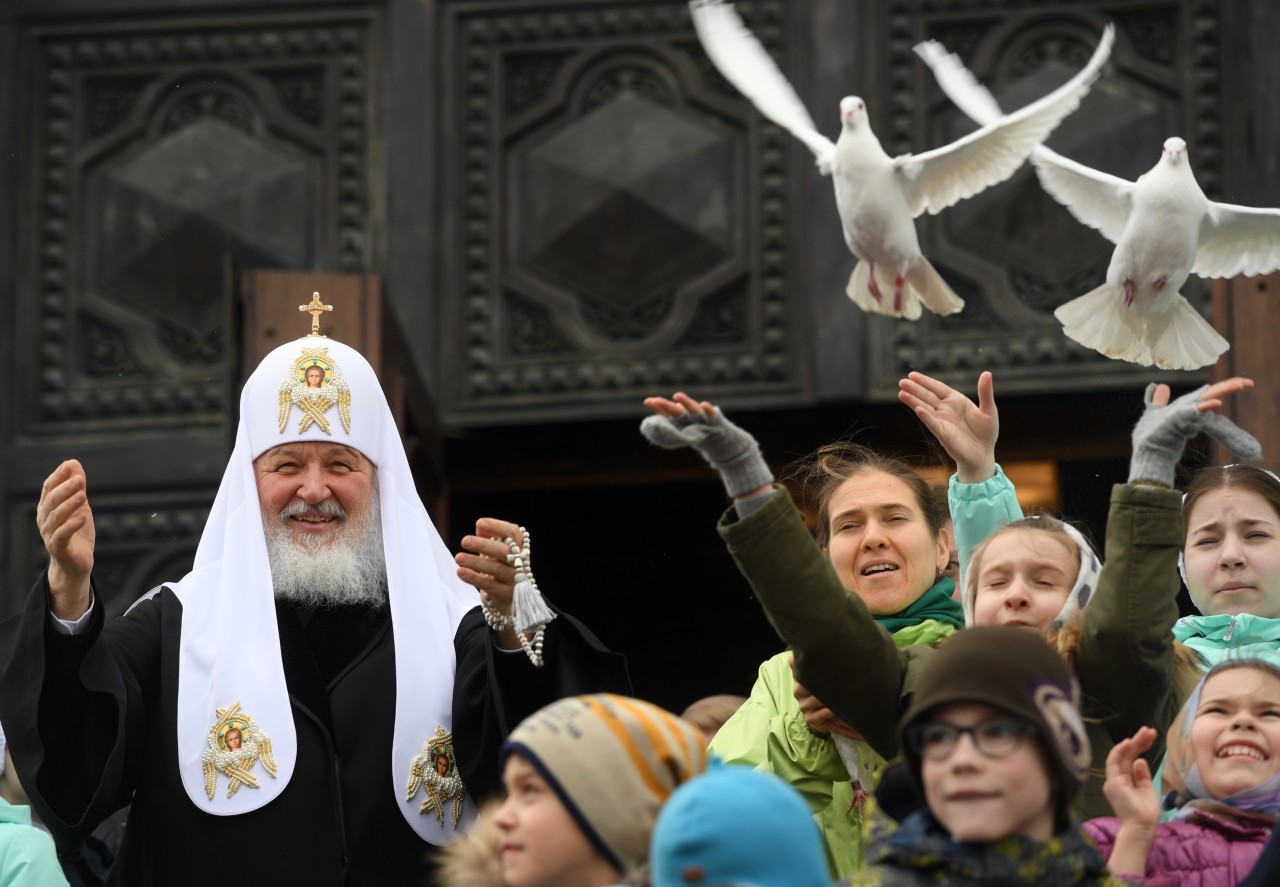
x: 734, y: 826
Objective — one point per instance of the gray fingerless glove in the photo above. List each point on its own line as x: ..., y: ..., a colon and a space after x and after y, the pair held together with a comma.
x: 1162, y: 434
x: 729, y: 450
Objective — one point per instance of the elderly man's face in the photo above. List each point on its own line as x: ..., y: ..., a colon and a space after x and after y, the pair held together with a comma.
x: 310, y: 478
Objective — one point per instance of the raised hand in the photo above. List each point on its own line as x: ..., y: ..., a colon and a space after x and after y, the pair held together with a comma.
x: 1129, y: 787
x: 1166, y: 426
x: 66, y: 526
x: 685, y: 422
x: 483, y: 562
x: 1132, y: 795
x: 967, y: 431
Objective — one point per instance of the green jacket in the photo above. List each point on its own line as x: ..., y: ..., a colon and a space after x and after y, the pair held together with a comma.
x: 769, y: 733
x: 1124, y: 659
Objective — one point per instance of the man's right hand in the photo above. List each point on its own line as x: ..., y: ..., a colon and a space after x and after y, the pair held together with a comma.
x: 66, y: 526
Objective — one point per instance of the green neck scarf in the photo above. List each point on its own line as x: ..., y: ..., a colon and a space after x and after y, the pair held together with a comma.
x: 936, y: 603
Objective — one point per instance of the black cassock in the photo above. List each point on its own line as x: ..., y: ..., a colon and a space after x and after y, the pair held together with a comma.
x: 91, y: 721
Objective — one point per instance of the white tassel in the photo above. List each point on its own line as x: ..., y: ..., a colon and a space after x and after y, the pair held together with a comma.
x: 529, y: 610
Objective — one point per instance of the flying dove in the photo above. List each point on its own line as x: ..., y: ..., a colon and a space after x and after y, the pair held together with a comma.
x: 1164, y: 228
x: 879, y: 196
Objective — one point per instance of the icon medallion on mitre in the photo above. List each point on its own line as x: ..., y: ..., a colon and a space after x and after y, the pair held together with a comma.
x: 315, y: 386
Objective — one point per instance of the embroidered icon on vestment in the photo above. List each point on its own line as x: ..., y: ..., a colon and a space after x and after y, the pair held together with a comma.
x: 435, y: 770
x: 236, y: 743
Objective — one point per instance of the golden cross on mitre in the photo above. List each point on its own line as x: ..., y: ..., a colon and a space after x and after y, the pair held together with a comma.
x: 315, y: 308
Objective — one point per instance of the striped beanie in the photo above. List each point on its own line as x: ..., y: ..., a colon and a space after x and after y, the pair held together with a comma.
x: 613, y: 761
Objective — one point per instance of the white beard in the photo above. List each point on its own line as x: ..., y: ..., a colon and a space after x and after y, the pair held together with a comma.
x: 345, y: 569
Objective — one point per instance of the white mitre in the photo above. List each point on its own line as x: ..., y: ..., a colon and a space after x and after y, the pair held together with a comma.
x: 230, y: 650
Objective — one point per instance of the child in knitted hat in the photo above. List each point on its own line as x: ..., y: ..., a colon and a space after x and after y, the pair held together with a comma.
x: 994, y: 741
x: 585, y: 778
x: 734, y: 825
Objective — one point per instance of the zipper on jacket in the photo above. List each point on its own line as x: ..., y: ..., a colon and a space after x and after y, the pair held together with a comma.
x: 1231, y: 629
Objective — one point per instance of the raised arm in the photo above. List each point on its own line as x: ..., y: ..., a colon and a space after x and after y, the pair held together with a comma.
x: 832, y: 632
x: 1127, y: 627
x: 66, y: 526
x: 980, y: 498
x: 734, y: 454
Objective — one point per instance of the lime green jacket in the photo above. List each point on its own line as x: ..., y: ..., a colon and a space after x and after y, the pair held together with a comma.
x: 769, y: 733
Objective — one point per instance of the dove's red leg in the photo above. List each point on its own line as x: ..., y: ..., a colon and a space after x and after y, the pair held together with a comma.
x: 898, y: 283
x: 1128, y: 293
x: 871, y: 283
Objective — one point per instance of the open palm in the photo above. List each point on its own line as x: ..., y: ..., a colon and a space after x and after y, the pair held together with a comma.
x: 967, y: 431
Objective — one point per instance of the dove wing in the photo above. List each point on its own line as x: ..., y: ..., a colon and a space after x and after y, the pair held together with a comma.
x: 936, y: 179
x: 745, y: 63
x: 1095, y: 198
x: 958, y: 83
x: 1244, y: 240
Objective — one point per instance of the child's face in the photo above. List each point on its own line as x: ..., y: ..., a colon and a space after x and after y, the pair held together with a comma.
x: 981, y: 799
x: 1024, y: 577
x: 1232, y: 556
x: 542, y: 846
x: 1235, y: 738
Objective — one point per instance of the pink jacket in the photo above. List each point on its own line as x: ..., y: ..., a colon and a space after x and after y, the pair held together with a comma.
x: 1202, y: 851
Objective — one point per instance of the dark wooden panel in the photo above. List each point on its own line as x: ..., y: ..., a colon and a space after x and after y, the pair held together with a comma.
x: 1247, y: 311
x: 165, y: 154
x: 616, y: 214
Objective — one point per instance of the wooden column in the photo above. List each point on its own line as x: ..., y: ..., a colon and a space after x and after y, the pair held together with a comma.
x: 1247, y: 311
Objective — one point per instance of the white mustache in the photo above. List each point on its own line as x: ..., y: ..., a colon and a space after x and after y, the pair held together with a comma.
x: 298, y: 506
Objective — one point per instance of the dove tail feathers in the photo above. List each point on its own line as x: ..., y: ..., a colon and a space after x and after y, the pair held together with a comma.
x: 1099, y: 320
x: 1187, y: 341
x: 1179, y: 339
x: 929, y: 286
x: 922, y: 287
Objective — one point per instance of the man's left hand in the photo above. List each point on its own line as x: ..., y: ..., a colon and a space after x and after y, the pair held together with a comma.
x: 483, y: 564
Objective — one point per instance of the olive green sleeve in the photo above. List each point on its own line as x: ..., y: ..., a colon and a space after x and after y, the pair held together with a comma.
x: 842, y: 655
x: 1125, y: 657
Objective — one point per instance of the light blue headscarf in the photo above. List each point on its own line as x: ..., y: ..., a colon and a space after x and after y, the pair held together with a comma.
x: 1187, y: 792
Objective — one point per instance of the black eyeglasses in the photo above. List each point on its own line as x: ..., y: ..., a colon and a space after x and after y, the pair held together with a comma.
x: 995, y: 738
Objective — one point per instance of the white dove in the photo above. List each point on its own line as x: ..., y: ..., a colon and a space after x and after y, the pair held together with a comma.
x: 1164, y: 228
x: 878, y: 196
